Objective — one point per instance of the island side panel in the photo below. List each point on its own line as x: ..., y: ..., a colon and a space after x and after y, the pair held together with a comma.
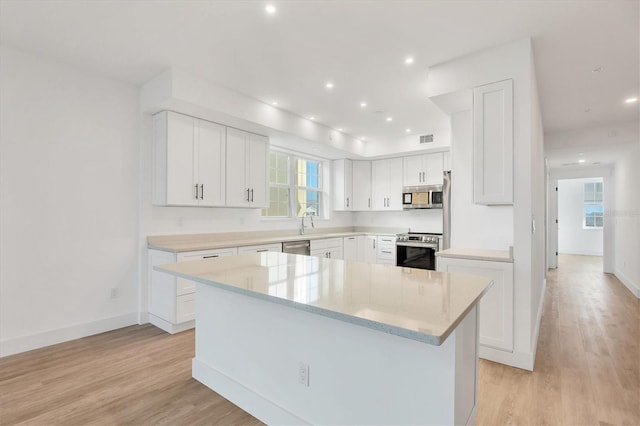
x: 251, y: 351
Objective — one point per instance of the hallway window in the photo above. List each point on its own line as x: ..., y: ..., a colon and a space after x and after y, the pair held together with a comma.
x: 593, y: 209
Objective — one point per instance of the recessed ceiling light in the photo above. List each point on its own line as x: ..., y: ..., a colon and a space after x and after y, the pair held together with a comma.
x: 328, y: 85
x: 407, y: 130
x: 270, y: 9
x: 389, y: 118
x: 363, y: 104
x: 409, y: 60
x: 631, y: 100
x: 340, y: 129
x: 311, y: 117
x: 597, y: 69
x: 274, y: 103
x: 582, y: 160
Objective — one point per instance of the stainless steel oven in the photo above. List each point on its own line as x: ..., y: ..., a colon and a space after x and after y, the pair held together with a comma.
x: 417, y: 250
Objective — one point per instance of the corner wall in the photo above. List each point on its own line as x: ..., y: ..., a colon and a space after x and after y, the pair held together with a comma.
x: 68, y: 202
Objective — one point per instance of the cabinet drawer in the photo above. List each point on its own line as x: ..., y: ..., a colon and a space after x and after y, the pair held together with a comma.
x: 204, y: 254
x: 326, y: 243
x: 184, y: 286
x: 260, y: 248
x: 185, y: 308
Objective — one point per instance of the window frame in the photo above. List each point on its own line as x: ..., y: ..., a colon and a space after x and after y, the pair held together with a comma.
x: 292, y: 187
x: 593, y: 200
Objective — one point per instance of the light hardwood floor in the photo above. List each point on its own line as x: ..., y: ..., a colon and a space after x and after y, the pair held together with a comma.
x: 587, y: 370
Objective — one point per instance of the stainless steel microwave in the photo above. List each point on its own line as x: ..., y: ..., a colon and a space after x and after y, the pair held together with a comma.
x: 422, y: 197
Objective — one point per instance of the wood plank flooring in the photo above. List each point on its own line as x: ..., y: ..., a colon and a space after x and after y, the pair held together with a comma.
x: 587, y: 370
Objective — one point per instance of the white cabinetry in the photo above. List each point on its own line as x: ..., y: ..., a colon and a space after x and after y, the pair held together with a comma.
x: 387, y: 184
x: 367, y: 247
x: 331, y: 248
x: 342, y: 185
x: 362, y: 186
x: 188, y: 161
x: 276, y: 247
x: 386, y: 250
x: 424, y: 169
x: 171, y: 299
x: 247, y: 154
x: 493, y: 143
x: 350, y: 251
x: 496, y: 307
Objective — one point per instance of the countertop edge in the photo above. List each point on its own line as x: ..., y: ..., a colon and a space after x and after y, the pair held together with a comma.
x: 373, y: 325
x: 487, y: 258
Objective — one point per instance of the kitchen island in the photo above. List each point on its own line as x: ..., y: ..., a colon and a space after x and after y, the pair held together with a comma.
x: 304, y: 340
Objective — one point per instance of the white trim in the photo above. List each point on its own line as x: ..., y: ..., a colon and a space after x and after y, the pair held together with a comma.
x: 52, y: 337
x: 169, y: 327
x: 634, y: 288
x: 536, y: 332
x: 581, y: 253
x: 245, y: 398
x: 523, y: 360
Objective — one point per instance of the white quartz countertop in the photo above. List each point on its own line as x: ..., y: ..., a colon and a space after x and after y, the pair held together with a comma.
x: 477, y: 254
x: 196, y: 242
x: 413, y: 303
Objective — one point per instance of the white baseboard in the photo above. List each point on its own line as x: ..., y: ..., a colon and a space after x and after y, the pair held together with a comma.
x: 634, y: 288
x: 143, y: 318
x: 169, y: 327
x: 582, y: 253
x: 536, y: 331
x: 245, y: 398
x: 52, y: 337
x: 523, y: 360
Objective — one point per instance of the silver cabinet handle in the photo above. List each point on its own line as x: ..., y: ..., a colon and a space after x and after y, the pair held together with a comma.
x: 213, y: 255
x: 248, y: 195
x: 369, y: 202
x: 374, y: 243
x: 261, y: 250
x: 347, y: 201
x: 202, y: 191
x: 252, y: 195
x: 196, y: 191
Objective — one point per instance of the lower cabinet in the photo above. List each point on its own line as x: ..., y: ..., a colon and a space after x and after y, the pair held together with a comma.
x: 171, y: 299
x: 331, y: 248
x: 277, y: 247
x: 350, y: 251
x: 496, y: 307
x: 386, y: 250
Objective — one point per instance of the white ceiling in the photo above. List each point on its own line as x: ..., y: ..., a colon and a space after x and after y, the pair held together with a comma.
x: 358, y: 45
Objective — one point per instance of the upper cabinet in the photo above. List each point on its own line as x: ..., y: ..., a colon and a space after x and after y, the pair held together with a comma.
x: 493, y: 143
x: 342, y: 185
x: 247, y: 155
x: 386, y: 190
x: 424, y: 169
x: 362, y: 179
x: 188, y: 161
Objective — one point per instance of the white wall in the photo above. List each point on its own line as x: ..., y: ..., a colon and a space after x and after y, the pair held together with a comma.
x: 573, y: 238
x: 68, y: 202
x: 626, y: 218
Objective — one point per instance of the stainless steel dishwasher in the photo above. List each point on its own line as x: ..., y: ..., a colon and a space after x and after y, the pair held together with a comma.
x: 297, y: 247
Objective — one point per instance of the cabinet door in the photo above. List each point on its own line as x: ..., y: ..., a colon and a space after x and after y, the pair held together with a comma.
x: 493, y: 143
x: 496, y: 306
x: 211, y: 176
x: 336, y: 253
x: 394, y: 188
x: 257, y: 171
x: 434, y: 164
x: 342, y: 185
x: 350, y: 248
x: 181, y: 183
x: 413, y: 173
x: 362, y: 187
x: 237, y: 188
x: 379, y: 184
x: 367, y: 249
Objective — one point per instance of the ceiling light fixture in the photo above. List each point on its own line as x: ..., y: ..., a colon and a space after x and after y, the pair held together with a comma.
x: 407, y: 130
x: 312, y: 117
x: 582, y: 160
x: 389, y: 118
x: 274, y: 103
x: 328, y: 85
x: 363, y: 104
x: 630, y: 100
x: 409, y: 60
x: 270, y: 9
x: 596, y: 70
x: 340, y: 129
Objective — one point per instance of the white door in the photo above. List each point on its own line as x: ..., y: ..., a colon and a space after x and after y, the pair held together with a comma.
x: 367, y: 249
x: 257, y: 171
x: 362, y: 185
x: 211, y: 164
x: 379, y: 184
x: 350, y: 248
x: 394, y: 189
x: 413, y: 170
x: 181, y: 183
x: 237, y: 189
x: 434, y: 163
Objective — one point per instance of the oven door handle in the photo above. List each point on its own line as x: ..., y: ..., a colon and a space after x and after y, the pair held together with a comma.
x: 420, y: 245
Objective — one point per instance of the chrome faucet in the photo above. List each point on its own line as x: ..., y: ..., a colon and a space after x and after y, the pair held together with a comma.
x: 302, y: 225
